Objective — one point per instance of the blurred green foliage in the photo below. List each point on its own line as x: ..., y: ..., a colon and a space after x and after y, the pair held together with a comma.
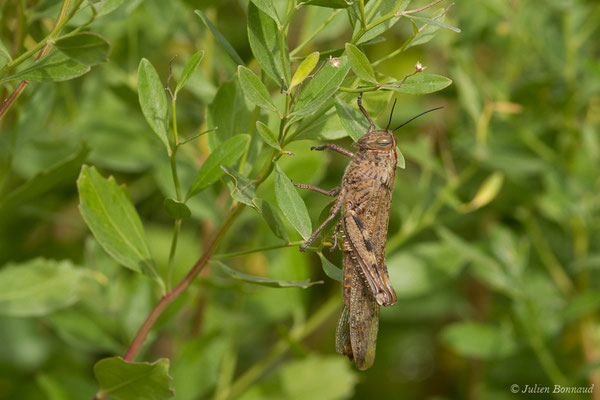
x: 493, y: 243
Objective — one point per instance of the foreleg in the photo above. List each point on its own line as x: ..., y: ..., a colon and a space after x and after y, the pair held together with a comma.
x: 332, y: 213
x: 334, y: 147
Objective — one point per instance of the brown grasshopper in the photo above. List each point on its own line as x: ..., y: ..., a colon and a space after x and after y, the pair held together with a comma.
x: 364, y: 197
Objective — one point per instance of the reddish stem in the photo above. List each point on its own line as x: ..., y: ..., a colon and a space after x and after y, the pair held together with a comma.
x: 171, y: 296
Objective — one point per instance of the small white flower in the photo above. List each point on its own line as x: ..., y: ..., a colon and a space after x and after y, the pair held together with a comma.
x: 335, y: 62
x: 419, y: 67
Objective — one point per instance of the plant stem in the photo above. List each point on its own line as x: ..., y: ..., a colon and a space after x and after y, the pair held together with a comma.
x: 174, y: 238
x: 172, y: 295
x: 363, y: 19
x: 175, y: 175
x: 43, y: 47
x: 297, y: 334
x: 315, y: 33
x: 254, y: 250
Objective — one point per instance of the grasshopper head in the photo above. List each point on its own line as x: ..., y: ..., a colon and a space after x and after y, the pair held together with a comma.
x: 377, y: 140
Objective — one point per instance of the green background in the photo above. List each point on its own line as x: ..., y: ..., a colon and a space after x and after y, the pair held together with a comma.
x: 493, y: 242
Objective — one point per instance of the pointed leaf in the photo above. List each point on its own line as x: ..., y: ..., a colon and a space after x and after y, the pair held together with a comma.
x: 49, y: 179
x: 268, y: 8
x: 134, y: 380
x: 273, y: 217
x: 254, y: 89
x: 291, y: 204
x: 304, y: 69
x: 177, y: 209
x: 267, y: 135
x: 329, y: 3
x: 322, y: 86
x: 360, y: 63
x: 109, y: 6
x: 220, y: 39
x: 243, y: 189
x: 352, y: 119
x: 85, y: 47
x: 38, y: 287
x: 226, y: 154
x: 55, y: 67
x: 228, y: 101
x: 330, y: 269
x: 435, y: 22
x: 189, y: 70
x: 488, y: 190
x: 114, y: 222
x: 401, y: 160
x: 376, y: 10
x: 422, y: 84
x: 264, y: 38
x: 153, y: 100
x: 259, y: 280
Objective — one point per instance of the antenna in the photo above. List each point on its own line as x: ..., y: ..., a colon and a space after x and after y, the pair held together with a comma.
x: 417, y: 116
x: 391, y: 115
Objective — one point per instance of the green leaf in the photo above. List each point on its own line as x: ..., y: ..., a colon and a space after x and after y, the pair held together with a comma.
x: 112, y: 218
x: 134, y: 380
x: 268, y: 8
x: 422, y: 36
x: 229, y: 101
x: 329, y: 3
x: 55, y: 67
x: 38, y: 287
x: 273, y: 217
x: 226, y: 154
x: 304, y: 69
x: 177, y: 209
x: 85, y: 47
x: 109, y: 6
x: 318, y: 377
x: 267, y: 135
x: 188, y: 70
x: 243, y: 189
x: 153, y: 100
x: 477, y: 340
x: 375, y: 10
x: 291, y: 204
x: 49, y: 179
x: 421, y: 84
x: 360, y: 64
x: 435, y: 22
x: 321, y: 87
x: 484, y: 266
x: 259, y: 280
x: 352, y: 119
x: 254, y: 89
x: 50, y: 387
x: 265, y: 42
x: 486, y: 193
x: 220, y: 39
x: 4, y: 55
x: 401, y: 160
x: 330, y: 269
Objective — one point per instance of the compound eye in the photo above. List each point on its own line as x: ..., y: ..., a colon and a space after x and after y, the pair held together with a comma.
x: 384, y: 141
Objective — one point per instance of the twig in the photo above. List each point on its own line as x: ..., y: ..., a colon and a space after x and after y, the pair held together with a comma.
x: 167, y: 87
x: 171, y: 296
x: 61, y: 20
x: 433, y: 3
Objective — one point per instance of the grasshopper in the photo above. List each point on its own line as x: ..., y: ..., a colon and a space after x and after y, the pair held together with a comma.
x: 364, y: 198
